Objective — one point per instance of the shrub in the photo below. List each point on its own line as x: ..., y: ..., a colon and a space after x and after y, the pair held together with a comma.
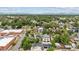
x: 50, y: 49
x: 36, y: 40
x: 32, y: 41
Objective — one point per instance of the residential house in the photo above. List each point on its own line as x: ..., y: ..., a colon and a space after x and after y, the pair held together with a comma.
x: 46, y: 40
x: 39, y: 29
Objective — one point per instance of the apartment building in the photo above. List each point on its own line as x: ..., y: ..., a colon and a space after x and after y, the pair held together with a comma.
x: 8, y: 38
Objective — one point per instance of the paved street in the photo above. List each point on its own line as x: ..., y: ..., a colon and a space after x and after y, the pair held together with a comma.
x: 16, y: 47
x: 37, y: 47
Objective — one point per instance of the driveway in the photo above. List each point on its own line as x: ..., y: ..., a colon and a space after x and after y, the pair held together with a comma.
x: 37, y: 47
x: 16, y: 47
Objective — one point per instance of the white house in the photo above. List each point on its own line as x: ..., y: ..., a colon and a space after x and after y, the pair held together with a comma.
x: 39, y: 29
x: 73, y: 45
x: 46, y: 40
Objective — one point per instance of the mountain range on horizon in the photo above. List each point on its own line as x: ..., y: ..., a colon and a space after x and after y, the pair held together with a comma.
x: 40, y: 10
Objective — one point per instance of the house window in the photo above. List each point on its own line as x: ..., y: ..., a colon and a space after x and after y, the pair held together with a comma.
x: 48, y: 41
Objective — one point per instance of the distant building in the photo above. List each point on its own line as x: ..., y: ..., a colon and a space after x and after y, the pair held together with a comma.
x: 39, y: 29
x: 12, y: 32
x: 17, y: 31
x: 61, y: 24
x: 74, y: 29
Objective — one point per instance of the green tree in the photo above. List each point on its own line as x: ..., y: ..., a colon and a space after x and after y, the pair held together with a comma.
x: 26, y: 44
x: 62, y: 38
x: 53, y: 43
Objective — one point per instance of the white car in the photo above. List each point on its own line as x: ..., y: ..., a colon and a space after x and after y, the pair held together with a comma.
x: 58, y: 45
x: 67, y: 46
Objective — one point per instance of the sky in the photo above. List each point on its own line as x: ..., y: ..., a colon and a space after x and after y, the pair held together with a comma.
x: 40, y: 10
